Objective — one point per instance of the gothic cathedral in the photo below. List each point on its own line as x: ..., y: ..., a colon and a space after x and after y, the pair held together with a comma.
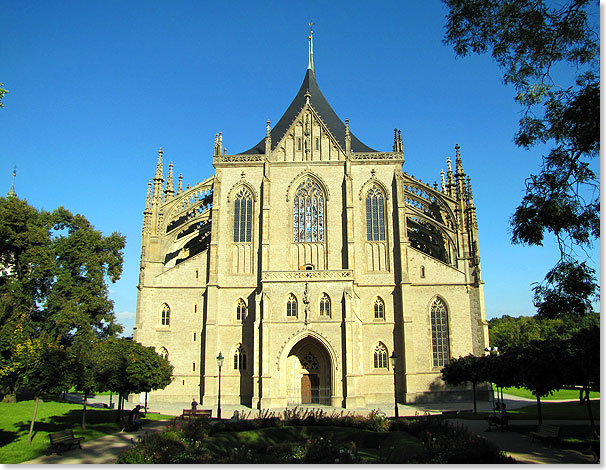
x: 314, y: 265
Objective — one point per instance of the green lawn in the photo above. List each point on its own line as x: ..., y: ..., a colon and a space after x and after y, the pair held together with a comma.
x: 52, y: 416
x: 369, y: 443
x: 566, y: 410
x: 559, y: 395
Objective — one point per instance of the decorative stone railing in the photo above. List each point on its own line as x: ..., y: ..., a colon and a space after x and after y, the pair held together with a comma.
x: 239, y: 158
x: 327, y: 275
x: 377, y: 156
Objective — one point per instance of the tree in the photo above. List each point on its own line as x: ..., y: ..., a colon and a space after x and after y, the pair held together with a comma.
x: 128, y: 367
x: 465, y: 369
x: 3, y: 91
x: 550, y: 53
x: 53, y: 271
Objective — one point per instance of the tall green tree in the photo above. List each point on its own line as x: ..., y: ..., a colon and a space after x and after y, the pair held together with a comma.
x: 466, y: 369
x: 549, y: 52
x: 54, y: 268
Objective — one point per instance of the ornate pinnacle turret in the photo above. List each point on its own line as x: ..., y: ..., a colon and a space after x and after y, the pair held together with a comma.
x: 180, y: 186
x: 395, y: 140
x: 169, y: 191
x: 347, y: 138
x: 158, y: 180
x: 449, y: 178
x: 310, y: 64
x: 460, y: 176
x: 148, y: 198
x: 460, y: 171
x: 442, y: 181
x: 11, y: 192
x: 268, y: 139
x: 400, y: 143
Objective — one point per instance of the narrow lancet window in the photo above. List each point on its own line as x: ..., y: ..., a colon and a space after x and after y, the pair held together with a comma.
x: 439, y: 333
x: 291, y: 306
x: 165, y: 319
x: 375, y: 215
x: 380, y: 357
x: 240, y: 359
x: 240, y: 310
x: 379, y: 309
x: 243, y: 216
x: 325, y: 305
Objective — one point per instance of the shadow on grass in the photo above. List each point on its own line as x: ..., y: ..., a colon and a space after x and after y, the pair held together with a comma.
x: 6, y: 437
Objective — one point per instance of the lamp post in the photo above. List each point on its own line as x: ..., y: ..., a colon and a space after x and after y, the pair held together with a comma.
x: 220, y: 364
x: 488, y: 352
x: 393, y: 358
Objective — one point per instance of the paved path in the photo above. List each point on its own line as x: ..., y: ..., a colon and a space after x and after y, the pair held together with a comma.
x: 105, y: 450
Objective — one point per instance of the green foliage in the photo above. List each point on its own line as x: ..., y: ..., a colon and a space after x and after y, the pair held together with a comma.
x: 126, y: 366
x: 550, y: 53
x: 52, y: 285
x: 3, y: 91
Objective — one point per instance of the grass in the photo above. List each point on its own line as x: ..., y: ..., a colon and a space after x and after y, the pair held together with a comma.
x: 52, y: 416
x: 567, y: 394
x: 563, y: 411
x: 368, y: 443
x: 571, y: 437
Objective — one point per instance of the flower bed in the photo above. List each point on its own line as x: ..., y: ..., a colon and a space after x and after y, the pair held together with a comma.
x: 313, y: 436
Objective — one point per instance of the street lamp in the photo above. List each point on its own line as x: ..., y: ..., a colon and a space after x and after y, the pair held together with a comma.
x: 393, y: 358
x: 220, y: 364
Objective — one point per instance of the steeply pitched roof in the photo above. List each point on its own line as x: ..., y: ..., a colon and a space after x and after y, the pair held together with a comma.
x: 319, y: 103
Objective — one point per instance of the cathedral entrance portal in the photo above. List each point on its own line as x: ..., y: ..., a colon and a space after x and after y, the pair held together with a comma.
x: 309, y: 373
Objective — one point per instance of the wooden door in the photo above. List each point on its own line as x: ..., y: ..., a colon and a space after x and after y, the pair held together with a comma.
x: 305, y: 389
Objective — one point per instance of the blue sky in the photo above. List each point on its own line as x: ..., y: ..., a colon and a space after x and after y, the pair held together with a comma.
x: 95, y: 88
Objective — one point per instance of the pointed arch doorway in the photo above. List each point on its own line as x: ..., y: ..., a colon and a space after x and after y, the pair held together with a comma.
x: 309, y: 373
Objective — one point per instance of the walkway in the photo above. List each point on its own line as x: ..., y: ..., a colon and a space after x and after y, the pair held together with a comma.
x: 105, y: 450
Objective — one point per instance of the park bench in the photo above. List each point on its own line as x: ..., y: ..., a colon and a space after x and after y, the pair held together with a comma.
x: 63, y: 440
x: 498, y: 421
x: 196, y: 413
x: 546, y: 432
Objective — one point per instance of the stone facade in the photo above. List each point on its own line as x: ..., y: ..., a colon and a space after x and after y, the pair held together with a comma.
x: 307, y: 262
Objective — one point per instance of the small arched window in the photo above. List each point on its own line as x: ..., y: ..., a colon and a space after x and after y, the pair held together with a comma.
x: 163, y: 353
x: 439, y: 333
x: 165, y: 319
x: 291, y: 306
x: 240, y: 310
x: 308, y: 212
x: 379, y: 309
x: 325, y: 305
x: 422, y: 271
x: 243, y: 216
x: 240, y: 358
x: 380, y: 356
x: 375, y: 215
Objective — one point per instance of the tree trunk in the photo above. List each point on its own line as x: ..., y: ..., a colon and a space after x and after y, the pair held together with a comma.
x: 31, y: 426
x: 475, y: 408
x: 539, y: 409
x: 589, y: 410
x: 84, y: 411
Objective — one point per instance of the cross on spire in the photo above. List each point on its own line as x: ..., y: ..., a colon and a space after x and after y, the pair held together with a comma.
x: 11, y: 192
x: 310, y: 64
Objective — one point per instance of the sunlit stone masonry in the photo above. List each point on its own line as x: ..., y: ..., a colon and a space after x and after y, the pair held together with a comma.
x: 309, y: 261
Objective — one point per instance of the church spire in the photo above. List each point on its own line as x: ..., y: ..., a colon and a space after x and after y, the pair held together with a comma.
x: 158, y: 180
x: 169, y: 191
x: 11, y: 192
x: 310, y: 64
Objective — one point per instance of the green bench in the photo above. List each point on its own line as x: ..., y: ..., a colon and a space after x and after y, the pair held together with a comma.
x: 546, y: 432
x: 63, y: 440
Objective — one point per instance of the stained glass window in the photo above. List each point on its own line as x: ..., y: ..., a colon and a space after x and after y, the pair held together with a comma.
x: 240, y: 359
x: 379, y: 309
x: 439, y: 333
x: 243, y: 216
x: 291, y: 306
x: 325, y: 305
x: 380, y: 357
x: 165, y: 321
x: 308, y: 213
x: 375, y: 215
x: 240, y: 310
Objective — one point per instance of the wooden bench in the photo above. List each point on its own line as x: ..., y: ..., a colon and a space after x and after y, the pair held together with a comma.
x: 196, y: 413
x: 546, y: 432
x: 63, y: 440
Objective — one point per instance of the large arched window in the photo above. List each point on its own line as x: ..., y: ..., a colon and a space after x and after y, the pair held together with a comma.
x: 379, y: 309
x: 243, y: 216
x: 380, y: 356
x: 240, y: 358
x: 439, y: 333
x: 308, y: 212
x: 240, y: 310
x: 291, y: 306
x: 375, y: 215
x: 325, y: 305
x: 165, y: 316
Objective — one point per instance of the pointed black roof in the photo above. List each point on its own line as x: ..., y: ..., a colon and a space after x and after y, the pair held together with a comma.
x: 319, y: 103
